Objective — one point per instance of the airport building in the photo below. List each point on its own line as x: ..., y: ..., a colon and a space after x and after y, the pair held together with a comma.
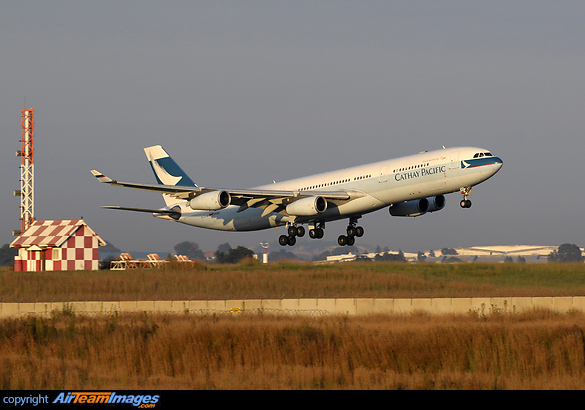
x: 497, y: 253
x: 56, y: 246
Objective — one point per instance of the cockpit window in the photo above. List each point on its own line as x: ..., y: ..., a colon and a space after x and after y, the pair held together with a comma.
x: 482, y: 154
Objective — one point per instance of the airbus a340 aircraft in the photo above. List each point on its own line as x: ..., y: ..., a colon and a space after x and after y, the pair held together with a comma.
x: 409, y: 186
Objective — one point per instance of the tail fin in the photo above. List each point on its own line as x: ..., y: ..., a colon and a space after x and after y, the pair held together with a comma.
x: 166, y: 170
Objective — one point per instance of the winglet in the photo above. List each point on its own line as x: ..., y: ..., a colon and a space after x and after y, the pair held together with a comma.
x: 101, y: 177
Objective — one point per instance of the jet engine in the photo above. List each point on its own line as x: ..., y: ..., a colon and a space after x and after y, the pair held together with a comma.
x: 417, y: 207
x: 312, y: 205
x: 211, y: 201
x: 436, y: 203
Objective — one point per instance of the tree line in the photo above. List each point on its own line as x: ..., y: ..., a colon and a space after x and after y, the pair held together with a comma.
x: 224, y: 253
x: 566, y: 252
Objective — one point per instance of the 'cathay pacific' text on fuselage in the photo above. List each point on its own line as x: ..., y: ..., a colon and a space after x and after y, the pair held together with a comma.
x: 417, y: 173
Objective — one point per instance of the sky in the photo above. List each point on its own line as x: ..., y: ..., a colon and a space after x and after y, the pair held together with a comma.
x: 241, y: 93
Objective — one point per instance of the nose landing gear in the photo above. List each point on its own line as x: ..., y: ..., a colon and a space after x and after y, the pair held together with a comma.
x: 465, y: 203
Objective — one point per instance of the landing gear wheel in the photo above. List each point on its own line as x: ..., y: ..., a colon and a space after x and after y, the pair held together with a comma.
x: 343, y: 240
x: 316, y: 233
x: 465, y: 203
x: 292, y: 230
x: 284, y: 240
x: 359, y: 231
x: 300, y: 231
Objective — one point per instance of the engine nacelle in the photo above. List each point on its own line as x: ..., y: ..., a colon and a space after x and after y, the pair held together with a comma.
x: 436, y: 203
x: 418, y: 207
x: 307, y: 206
x: 415, y: 207
x: 211, y: 201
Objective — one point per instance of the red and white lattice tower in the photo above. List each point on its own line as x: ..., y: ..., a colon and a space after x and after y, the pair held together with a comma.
x: 27, y: 169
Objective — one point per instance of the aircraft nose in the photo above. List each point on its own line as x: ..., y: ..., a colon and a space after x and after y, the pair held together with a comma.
x: 498, y: 163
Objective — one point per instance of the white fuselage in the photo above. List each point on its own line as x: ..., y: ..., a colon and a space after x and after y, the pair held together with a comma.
x: 380, y: 184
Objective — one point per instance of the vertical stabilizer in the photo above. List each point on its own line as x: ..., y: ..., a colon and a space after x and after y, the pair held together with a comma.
x: 167, y: 171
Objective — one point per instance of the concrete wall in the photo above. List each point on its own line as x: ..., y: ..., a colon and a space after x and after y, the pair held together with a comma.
x: 313, y: 307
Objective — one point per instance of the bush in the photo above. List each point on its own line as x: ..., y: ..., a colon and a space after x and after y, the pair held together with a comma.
x: 234, y: 255
x: 7, y: 255
x: 567, y: 252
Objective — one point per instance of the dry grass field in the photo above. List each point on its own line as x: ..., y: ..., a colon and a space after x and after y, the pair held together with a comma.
x: 537, y: 350
x: 296, y: 279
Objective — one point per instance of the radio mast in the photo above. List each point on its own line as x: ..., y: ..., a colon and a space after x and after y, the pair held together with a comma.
x: 27, y: 170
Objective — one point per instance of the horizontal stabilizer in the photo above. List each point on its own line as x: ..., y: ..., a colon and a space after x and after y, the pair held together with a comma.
x: 174, y: 213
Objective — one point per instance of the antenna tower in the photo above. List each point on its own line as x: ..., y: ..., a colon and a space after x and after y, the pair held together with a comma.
x: 27, y: 169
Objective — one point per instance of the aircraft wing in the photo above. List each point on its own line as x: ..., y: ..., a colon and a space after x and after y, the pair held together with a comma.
x: 269, y: 200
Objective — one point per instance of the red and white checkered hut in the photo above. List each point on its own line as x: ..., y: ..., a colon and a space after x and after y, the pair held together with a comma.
x: 57, y: 245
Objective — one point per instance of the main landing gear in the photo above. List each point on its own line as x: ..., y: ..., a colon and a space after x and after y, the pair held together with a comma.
x: 316, y: 232
x: 352, y: 232
x: 293, y: 232
x: 465, y: 203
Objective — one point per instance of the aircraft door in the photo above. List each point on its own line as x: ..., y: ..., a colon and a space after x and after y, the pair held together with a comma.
x: 454, y: 160
x: 383, y: 173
